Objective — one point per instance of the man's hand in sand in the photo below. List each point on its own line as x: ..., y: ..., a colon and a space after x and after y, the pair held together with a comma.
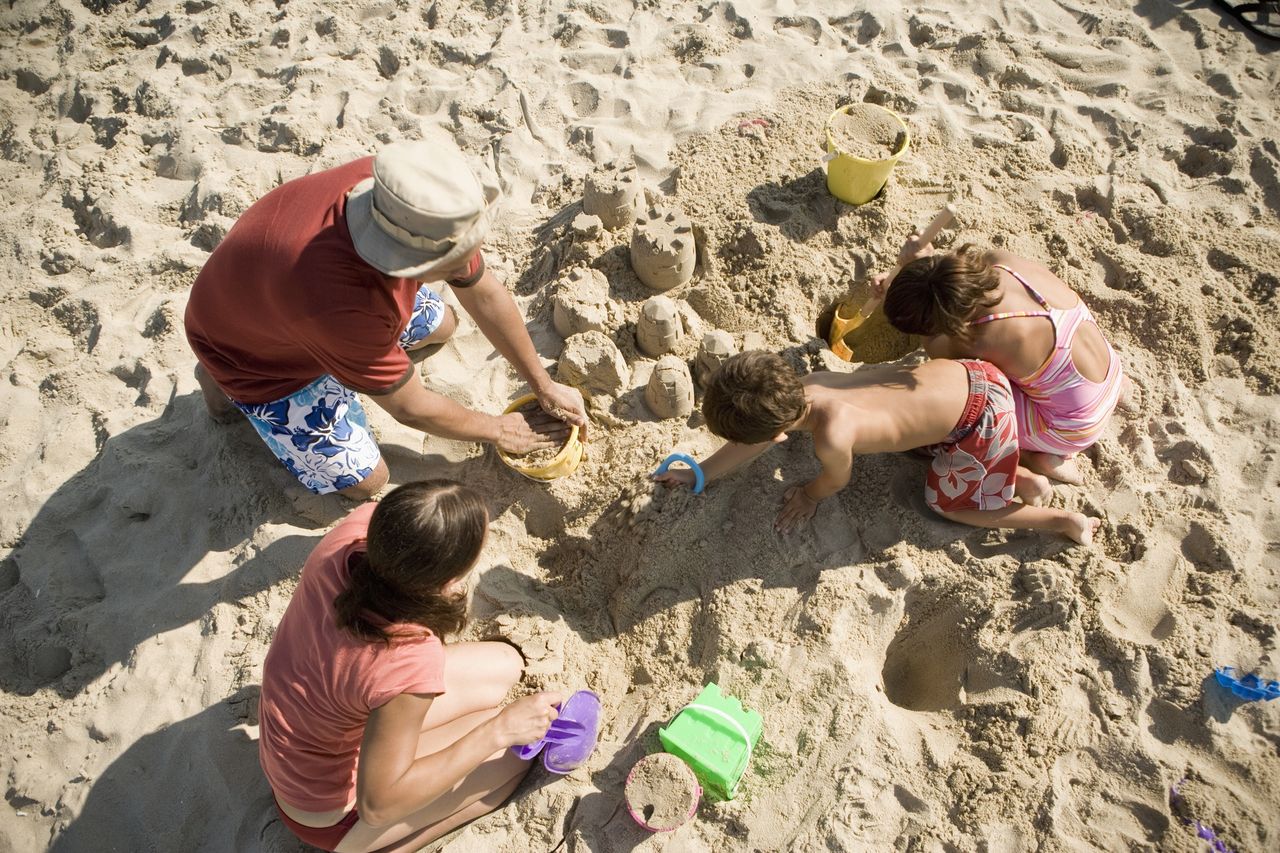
x: 526, y: 720
x: 678, y: 477
x: 530, y: 428
x: 797, y: 508
x: 565, y: 403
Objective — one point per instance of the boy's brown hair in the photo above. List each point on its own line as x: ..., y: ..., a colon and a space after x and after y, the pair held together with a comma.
x: 752, y: 398
x: 939, y: 294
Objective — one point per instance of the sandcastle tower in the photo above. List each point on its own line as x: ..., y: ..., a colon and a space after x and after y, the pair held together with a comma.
x: 592, y: 360
x: 659, y: 328
x: 663, y: 253
x: 581, y: 304
x: 715, y: 349
x: 612, y: 192
x: 670, y: 389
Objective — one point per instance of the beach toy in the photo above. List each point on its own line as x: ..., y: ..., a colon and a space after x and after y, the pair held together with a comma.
x: 571, y: 738
x: 714, y: 735
x: 564, y: 463
x: 1204, y: 831
x: 846, y: 319
x: 1250, y: 687
x: 854, y: 179
x: 662, y: 792
x: 699, y: 481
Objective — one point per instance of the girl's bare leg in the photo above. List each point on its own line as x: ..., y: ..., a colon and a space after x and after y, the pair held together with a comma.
x: 1032, y: 489
x: 1060, y: 468
x: 221, y: 409
x: 1075, y: 525
x: 477, y: 676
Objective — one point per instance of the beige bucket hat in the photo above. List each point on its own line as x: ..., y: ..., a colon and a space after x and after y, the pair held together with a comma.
x: 423, y: 210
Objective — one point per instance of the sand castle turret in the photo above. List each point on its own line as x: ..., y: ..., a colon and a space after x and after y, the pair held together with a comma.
x: 669, y: 393
x: 612, y: 192
x: 581, y: 304
x: 592, y: 361
x: 715, y: 349
x: 663, y: 252
x: 659, y: 328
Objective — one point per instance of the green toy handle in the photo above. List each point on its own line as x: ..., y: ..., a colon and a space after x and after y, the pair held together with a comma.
x: 732, y: 722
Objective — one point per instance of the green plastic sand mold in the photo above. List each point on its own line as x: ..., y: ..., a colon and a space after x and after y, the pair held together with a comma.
x: 714, y: 735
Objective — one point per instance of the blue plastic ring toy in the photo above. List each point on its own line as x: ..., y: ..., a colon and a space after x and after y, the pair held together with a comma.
x: 698, y: 479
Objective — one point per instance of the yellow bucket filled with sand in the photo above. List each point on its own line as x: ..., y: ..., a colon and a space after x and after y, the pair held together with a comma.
x: 562, y: 461
x: 864, y: 141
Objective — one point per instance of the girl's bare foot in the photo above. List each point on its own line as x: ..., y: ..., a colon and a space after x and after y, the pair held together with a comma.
x: 1033, y: 489
x: 1060, y: 468
x: 1081, y: 527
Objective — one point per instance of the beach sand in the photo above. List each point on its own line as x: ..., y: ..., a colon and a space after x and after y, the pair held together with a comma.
x: 924, y: 686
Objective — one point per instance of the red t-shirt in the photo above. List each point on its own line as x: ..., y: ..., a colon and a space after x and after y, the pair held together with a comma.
x: 320, y: 683
x: 285, y: 298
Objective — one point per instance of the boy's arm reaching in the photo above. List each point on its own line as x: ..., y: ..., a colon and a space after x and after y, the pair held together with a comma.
x: 801, y: 502
x: 718, y: 464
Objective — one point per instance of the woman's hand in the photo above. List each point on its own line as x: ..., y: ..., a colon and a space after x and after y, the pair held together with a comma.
x: 526, y: 720
x: 798, y: 507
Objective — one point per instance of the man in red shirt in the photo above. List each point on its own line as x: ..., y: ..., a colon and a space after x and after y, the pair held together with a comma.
x: 320, y: 289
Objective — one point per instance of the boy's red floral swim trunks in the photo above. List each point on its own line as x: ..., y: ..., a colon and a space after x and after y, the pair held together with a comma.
x: 975, y: 466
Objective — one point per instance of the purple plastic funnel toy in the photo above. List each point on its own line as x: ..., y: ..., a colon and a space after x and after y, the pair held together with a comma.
x: 571, y: 738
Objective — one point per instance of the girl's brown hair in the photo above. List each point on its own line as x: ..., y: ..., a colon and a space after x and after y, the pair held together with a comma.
x: 421, y: 536
x: 939, y: 294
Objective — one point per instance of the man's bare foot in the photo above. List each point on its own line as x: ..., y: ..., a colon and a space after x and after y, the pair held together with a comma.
x: 1060, y: 468
x: 221, y: 410
x: 1081, y: 527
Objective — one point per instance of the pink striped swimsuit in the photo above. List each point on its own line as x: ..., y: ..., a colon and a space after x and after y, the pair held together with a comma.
x: 1059, y: 411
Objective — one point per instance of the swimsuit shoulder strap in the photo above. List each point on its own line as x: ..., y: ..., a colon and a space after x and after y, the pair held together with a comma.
x: 1047, y: 312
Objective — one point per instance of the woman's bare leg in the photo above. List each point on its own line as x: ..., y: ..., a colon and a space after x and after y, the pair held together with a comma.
x: 476, y: 676
x: 478, y: 793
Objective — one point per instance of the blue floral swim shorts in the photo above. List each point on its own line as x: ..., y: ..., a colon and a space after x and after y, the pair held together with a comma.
x: 321, y: 433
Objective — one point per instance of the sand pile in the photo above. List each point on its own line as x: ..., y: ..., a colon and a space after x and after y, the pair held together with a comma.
x: 923, y: 685
x: 867, y: 132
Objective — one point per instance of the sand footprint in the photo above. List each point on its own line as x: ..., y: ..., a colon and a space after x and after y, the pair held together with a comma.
x: 1138, y: 612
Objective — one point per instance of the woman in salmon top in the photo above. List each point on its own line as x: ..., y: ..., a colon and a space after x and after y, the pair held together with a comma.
x: 374, y: 733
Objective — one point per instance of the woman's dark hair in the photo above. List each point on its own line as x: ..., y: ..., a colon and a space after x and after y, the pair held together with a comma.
x: 939, y: 294
x: 421, y: 536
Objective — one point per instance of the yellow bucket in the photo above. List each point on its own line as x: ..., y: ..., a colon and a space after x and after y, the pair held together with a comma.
x: 564, y: 463
x: 853, y: 179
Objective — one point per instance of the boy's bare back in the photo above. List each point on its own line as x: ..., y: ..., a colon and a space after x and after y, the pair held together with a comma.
x: 887, y: 408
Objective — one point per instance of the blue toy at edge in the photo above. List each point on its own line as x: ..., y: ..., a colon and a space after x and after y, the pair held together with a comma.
x: 1250, y: 687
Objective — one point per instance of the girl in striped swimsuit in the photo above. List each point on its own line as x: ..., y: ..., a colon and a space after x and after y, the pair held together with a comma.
x: 1066, y: 377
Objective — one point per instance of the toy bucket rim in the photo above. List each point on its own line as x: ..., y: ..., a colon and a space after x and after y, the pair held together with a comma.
x: 542, y: 473
x: 693, y: 808
x: 832, y: 148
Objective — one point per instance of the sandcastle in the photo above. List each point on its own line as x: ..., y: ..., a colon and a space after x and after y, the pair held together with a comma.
x: 663, y: 251
x: 714, y: 350
x: 669, y: 393
x: 591, y: 360
x: 659, y: 328
x: 581, y: 304
x: 612, y: 193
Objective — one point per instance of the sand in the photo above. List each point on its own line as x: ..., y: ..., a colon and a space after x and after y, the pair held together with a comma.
x: 924, y: 686
x: 866, y: 132
x: 661, y: 790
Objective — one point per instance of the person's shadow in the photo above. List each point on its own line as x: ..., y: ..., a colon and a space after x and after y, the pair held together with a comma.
x: 205, y: 770
x: 163, y: 524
